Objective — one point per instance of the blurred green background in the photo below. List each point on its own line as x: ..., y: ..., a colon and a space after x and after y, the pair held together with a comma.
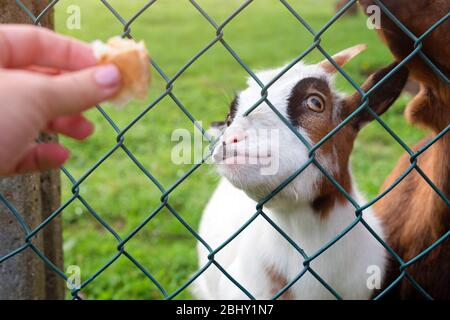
x: 264, y: 35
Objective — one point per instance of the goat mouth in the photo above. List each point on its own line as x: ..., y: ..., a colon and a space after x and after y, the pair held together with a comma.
x: 241, y: 158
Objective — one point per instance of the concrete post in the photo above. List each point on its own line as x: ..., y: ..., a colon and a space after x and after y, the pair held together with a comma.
x: 35, y: 196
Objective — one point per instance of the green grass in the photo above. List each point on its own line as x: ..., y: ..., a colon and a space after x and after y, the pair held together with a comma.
x: 264, y: 35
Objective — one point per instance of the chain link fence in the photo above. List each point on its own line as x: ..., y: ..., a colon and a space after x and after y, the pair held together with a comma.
x: 165, y: 200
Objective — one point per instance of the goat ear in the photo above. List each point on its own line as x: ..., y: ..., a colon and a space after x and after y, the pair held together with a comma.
x: 342, y: 58
x: 381, y: 98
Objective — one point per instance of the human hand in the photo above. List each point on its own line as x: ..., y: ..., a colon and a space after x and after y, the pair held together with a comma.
x: 46, y: 82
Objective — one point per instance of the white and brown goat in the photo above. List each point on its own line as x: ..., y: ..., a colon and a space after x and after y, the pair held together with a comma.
x: 310, y: 210
x: 413, y: 214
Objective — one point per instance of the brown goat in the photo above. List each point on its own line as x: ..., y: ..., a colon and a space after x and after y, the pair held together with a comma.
x: 414, y: 215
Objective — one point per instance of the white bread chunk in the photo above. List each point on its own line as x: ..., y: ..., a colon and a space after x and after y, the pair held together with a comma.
x: 132, y: 60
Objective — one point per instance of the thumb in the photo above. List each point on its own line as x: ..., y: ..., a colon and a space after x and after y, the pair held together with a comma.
x: 74, y: 92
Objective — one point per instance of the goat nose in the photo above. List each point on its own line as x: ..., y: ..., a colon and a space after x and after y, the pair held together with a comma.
x: 234, y: 137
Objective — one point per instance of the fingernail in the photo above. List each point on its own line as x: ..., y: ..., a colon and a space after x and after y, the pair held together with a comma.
x: 107, y: 76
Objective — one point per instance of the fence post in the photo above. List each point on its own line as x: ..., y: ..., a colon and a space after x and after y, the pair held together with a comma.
x: 35, y: 196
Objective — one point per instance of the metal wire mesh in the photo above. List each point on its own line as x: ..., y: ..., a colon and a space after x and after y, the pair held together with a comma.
x: 220, y: 29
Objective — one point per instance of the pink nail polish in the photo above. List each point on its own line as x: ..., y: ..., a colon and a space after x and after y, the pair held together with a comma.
x: 107, y: 76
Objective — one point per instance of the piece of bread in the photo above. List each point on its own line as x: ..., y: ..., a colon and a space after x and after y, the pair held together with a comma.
x: 132, y: 59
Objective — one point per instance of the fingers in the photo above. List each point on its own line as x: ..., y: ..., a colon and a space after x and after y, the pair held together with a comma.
x: 73, y: 93
x: 70, y: 93
x: 43, y: 70
x: 41, y: 157
x: 77, y: 127
x: 23, y: 46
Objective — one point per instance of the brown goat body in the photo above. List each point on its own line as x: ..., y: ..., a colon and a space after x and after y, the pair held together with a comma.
x: 413, y: 214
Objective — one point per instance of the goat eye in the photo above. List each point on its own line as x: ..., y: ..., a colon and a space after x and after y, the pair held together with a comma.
x: 315, y: 103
